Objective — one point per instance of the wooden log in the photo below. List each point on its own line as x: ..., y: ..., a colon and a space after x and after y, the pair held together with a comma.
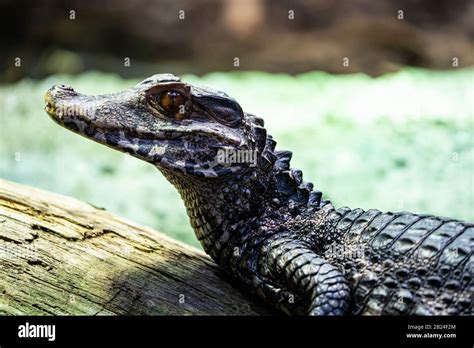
x: 61, y: 256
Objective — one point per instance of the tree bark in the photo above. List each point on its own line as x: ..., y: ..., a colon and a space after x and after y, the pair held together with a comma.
x: 61, y: 256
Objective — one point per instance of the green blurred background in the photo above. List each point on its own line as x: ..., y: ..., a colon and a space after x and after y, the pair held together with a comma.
x: 393, y: 130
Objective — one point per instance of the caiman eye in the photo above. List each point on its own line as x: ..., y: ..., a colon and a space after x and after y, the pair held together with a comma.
x: 173, y: 102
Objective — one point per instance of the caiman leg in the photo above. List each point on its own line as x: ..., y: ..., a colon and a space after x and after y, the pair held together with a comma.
x: 299, y: 272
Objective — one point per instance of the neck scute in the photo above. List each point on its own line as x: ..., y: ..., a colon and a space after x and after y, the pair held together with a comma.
x: 228, y: 207
x: 288, y: 182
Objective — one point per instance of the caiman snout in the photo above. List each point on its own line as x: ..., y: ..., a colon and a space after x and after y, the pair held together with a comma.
x: 57, y: 94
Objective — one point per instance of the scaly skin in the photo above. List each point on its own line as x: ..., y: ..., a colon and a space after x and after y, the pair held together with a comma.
x: 265, y: 226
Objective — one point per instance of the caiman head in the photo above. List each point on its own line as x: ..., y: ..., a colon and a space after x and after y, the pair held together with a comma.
x: 166, y: 122
x: 219, y: 158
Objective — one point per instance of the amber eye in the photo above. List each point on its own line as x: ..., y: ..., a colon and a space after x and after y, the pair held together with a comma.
x: 171, y: 101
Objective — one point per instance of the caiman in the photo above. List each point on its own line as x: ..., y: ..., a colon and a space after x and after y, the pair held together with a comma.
x: 265, y: 226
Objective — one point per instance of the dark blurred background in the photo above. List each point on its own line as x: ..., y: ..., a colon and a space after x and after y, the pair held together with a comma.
x: 198, y: 36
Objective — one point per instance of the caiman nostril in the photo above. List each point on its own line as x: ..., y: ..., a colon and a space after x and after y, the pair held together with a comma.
x: 65, y: 87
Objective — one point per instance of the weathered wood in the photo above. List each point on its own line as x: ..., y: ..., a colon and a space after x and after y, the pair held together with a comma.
x: 62, y: 256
